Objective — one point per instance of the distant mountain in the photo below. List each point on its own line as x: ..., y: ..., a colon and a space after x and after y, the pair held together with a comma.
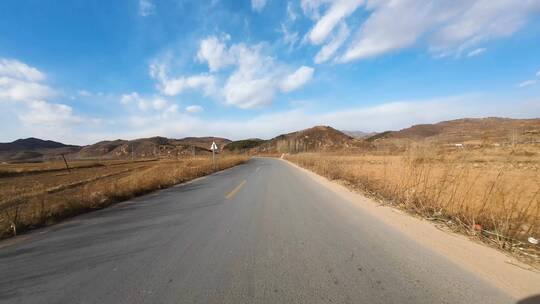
x: 243, y: 145
x: 468, y: 130
x: 319, y: 138
x: 151, y: 147
x: 359, y: 134
x: 33, y: 149
x: 492, y: 130
x: 204, y: 142
x: 31, y: 143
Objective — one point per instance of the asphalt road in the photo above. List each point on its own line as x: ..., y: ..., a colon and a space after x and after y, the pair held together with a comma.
x: 262, y: 232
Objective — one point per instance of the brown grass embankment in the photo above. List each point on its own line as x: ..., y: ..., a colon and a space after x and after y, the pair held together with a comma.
x: 28, y: 208
x: 497, y: 196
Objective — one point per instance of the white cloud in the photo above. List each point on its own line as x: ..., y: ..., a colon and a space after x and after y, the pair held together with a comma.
x: 255, y: 78
x: 449, y: 26
x: 194, y: 109
x: 21, y: 82
x: 146, y: 8
x: 129, y: 98
x: 146, y: 103
x: 331, y: 47
x: 15, y: 69
x: 526, y: 83
x: 174, y: 86
x: 159, y: 103
x: 25, y: 95
x: 213, y: 51
x: 21, y: 90
x: 258, y: 77
x: 538, y: 73
x: 49, y: 114
x: 311, y: 7
x: 258, y: 5
x: 297, y: 79
x: 291, y: 14
x: 481, y: 20
x: 476, y: 52
x: 289, y: 37
x: 337, y: 11
x: 84, y: 93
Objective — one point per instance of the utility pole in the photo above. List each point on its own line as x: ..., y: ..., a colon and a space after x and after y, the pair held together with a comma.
x: 65, y: 162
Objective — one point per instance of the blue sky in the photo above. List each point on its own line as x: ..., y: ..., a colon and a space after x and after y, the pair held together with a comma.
x: 82, y: 71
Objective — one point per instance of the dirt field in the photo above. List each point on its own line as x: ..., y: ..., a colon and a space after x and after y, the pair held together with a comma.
x: 493, y: 192
x: 38, y: 194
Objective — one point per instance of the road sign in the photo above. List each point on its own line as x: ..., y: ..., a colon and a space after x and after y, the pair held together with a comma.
x: 214, y: 148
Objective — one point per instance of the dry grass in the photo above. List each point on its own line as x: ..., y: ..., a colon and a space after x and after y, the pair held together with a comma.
x: 494, y: 192
x: 46, y: 196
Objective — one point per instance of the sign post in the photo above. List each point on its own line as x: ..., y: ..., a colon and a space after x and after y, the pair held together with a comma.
x: 214, y: 147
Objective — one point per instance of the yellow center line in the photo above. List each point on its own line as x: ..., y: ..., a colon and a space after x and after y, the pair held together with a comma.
x: 235, y: 190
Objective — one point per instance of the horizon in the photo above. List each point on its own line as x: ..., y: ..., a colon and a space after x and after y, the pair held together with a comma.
x: 261, y: 138
x: 256, y: 69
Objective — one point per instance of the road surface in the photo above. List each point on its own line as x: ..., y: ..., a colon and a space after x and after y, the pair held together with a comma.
x: 263, y: 232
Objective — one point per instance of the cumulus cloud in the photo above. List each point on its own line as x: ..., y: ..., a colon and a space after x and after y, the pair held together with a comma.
x: 26, y: 98
x: 156, y: 103
x: 194, y: 109
x: 476, y: 52
x: 297, y: 79
x: 146, y: 8
x: 21, y: 90
x: 258, y: 5
x: 49, y: 114
x: 255, y: 77
x: 213, y: 51
x: 15, y: 69
x: 172, y: 86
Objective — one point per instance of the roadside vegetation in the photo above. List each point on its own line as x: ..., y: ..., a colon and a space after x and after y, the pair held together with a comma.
x: 33, y: 195
x: 493, y: 193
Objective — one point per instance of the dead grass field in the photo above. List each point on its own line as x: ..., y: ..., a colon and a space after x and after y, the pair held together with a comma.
x: 33, y: 195
x: 493, y: 192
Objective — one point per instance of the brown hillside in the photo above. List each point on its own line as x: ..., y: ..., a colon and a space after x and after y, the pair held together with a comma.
x: 319, y: 138
x: 149, y: 148
x: 34, y: 150
x: 204, y: 142
x: 491, y: 130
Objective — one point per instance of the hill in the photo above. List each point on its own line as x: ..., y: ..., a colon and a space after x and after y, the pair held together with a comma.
x: 31, y: 143
x: 33, y: 149
x: 491, y: 130
x: 151, y: 147
x: 359, y: 134
x: 319, y: 138
x: 204, y: 142
x: 243, y: 145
